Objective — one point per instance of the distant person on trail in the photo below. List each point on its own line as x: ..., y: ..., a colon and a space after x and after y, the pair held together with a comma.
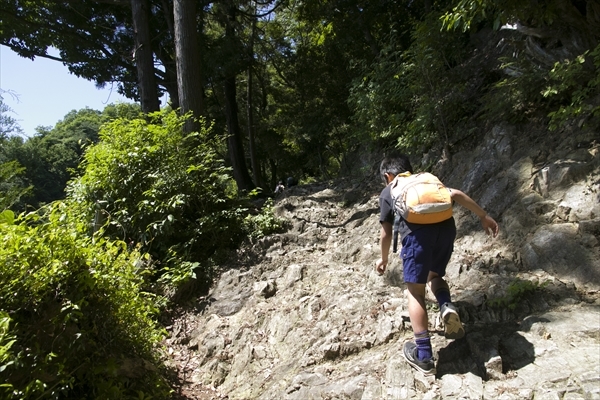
x: 291, y: 181
x: 279, y: 188
x: 426, y: 250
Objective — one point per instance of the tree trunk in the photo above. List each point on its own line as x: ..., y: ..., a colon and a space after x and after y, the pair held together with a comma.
x: 234, y: 140
x: 187, y: 60
x: 169, y: 78
x: 167, y: 59
x: 144, y: 57
x: 249, y: 106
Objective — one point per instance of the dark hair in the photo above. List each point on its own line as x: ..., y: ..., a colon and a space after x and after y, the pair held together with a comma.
x: 394, y: 164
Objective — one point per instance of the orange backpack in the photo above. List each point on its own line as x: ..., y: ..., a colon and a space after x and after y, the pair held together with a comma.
x: 421, y: 198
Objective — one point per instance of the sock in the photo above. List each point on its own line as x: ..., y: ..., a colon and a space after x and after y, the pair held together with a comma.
x: 442, y: 296
x: 424, y: 351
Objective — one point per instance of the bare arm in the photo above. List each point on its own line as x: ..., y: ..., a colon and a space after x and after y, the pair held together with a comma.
x: 385, y: 240
x: 488, y: 223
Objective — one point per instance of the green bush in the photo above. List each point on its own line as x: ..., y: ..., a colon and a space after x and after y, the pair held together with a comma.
x: 7, y: 357
x: 515, y: 98
x: 264, y: 223
x: 12, y: 187
x: 577, y: 86
x: 150, y: 184
x: 414, y: 96
x: 516, y: 292
x: 72, y: 316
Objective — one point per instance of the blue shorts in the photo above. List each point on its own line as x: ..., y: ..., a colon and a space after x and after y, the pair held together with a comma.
x: 427, y: 249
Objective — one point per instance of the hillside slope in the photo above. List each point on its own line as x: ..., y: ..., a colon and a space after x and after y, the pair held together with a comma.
x: 303, y: 315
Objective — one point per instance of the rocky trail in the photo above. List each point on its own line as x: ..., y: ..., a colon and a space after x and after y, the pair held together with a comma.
x: 303, y: 314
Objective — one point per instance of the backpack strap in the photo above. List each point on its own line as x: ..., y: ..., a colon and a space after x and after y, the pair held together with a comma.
x: 395, y: 231
x: 397, y: 217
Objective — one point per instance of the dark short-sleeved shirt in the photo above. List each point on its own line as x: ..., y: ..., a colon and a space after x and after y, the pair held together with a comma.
x: 386, y: 214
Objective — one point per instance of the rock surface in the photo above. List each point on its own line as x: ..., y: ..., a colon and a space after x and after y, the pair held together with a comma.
x: 303, y: 314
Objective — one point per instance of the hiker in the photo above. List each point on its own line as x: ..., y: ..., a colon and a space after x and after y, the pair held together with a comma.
x: 279, y: 188
x: 425, y: 252
x: 291, y: 181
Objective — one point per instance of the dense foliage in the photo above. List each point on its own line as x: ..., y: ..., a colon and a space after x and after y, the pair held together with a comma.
x: 152, y: 211
x: 415, y: 97
x: 12, y: 187
x: 306, y: 88
x: 149, y: 183
x: 51, y: 156
x: 73, y: 317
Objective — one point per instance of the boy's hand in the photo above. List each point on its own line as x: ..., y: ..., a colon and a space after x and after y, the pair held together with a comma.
x: 380, y: 266
x: 490, y: 225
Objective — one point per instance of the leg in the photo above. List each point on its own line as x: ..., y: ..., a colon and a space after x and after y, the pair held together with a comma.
x: 439, y: 288
x: 419, y: 354
x: 416, y: 307
x: 416, y: 261
x: 453, y: 328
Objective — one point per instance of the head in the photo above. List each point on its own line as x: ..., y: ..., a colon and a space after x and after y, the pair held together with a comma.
x: 393, y: 165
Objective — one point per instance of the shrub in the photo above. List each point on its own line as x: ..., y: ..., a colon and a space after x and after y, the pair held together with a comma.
x: 152, y: 185
x: 72, y: 315
x: 415, y: 96
x: 577, y: 86
x: 516, y: 292
x: 264, y: 223
x: 12, y: 187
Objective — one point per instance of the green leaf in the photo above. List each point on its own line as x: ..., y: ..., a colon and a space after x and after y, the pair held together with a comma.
x: 7, y: 217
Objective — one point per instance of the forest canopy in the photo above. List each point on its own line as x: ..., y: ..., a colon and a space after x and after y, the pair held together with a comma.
x: 302, y: 87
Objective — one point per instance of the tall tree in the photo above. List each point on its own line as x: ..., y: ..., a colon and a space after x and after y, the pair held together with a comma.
x: 254, y: 163
x: 94, y: 50
x: 234, y: 140
x: 144, y: 56
x: 189, y: 76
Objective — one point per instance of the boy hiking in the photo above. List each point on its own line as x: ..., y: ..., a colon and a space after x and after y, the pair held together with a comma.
x: 426, y: 250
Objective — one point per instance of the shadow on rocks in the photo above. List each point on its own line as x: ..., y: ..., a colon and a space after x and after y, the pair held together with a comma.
x: 488, y: 351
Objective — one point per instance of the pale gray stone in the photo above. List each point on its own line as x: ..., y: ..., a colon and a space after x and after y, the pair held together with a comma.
x: 309, y: 379
x: 473, y: 385
x: 555, y: 249
x: 266, y: 289
x: 546, y: 394
x: 372, y: 390
x: 424, y: 383
x: 573, y: 396
x: 591, y: 390
x: 385, y: 329
x: 451, y: 385
x: 293, y: 274
x: 399, y: 378
x: 590, y: 376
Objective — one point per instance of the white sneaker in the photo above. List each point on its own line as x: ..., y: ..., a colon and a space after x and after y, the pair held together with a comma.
x: 453, y: 328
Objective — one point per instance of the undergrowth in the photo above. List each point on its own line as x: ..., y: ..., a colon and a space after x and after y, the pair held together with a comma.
x: 517, y: 291
x: 72, y: 315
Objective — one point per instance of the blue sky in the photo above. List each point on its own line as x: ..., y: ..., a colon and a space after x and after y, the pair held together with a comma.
x: 47, y: 91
